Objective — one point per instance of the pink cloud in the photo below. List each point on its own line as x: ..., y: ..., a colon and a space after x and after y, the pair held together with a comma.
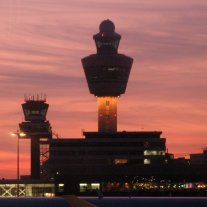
x: 42, y: 43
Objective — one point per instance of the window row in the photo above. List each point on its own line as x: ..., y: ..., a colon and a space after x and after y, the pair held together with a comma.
x: 108, y: 144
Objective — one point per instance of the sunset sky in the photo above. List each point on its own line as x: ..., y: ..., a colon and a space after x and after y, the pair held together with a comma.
x: 41, y: 46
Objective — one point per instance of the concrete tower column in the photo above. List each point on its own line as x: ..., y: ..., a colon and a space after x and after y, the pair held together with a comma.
x: 107, y: 114
x: 35, y: 157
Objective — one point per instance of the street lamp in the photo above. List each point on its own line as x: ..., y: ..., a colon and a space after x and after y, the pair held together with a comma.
x: 19, y: 135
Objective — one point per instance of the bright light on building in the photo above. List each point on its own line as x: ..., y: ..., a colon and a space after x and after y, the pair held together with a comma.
x: 21, y: 134
x: 12, y: 134
x: 154, y: 152
x: 107, y: 113
x: 147, y: 161
x: 95, y: 185
x: 120, y: 161
x: 90, y: 187
x: 49, y: 194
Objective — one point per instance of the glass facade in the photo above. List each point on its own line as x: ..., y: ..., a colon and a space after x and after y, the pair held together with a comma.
x: 89, y: 187
x: 27, y: 190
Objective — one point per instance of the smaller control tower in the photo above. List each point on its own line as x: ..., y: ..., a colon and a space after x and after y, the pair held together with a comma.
x: 107, y: 74
x: 35, y: 127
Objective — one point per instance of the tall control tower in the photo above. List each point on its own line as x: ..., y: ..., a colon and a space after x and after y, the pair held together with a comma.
x: 36, y: 127
x: 107, y: 74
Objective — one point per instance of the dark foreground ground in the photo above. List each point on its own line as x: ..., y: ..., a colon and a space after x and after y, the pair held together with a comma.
x: 72, y: 201
x: 153, y: 193
x: 147, y: 202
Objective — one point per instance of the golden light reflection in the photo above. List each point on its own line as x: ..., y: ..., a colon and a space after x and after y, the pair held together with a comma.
x: 107, y: 114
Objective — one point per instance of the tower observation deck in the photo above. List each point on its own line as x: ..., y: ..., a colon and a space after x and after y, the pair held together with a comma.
x: 107, y: 74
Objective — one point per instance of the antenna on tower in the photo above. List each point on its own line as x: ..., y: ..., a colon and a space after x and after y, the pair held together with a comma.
x: 37, y: 97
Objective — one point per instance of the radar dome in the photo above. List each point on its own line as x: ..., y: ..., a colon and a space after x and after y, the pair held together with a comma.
x: 107, y: 26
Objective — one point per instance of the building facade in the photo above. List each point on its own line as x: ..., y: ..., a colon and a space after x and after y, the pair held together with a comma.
x: 105, y: 157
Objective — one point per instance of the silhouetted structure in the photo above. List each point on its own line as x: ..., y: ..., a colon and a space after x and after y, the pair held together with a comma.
x: 199, y: 158
x: 108, y: 160
x: 107, y: 74
x: 106, y: 155
x: 35, y: 128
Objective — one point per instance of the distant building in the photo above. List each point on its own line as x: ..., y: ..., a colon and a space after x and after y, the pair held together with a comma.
x: 199, y: 158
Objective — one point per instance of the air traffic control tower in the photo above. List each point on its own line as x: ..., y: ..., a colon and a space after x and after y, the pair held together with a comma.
x: 36, y: 128
x: 107, y: 74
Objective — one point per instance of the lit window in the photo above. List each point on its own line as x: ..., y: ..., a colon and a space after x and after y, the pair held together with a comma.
x: 147, y: 161
x: 61, y: 187
x: 35, y: 112
x: 95, y: 186
x: 120, y: 161
x: 114, y: 44
x: 154, y: 152
x: 112, y: 69
x: 83, y: 187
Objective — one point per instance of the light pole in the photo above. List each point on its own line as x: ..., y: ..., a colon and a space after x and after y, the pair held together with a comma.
x: 19, y: 135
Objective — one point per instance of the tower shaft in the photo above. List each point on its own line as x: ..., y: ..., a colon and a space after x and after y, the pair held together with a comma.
x: 35, y: 157
x: 107, y: 114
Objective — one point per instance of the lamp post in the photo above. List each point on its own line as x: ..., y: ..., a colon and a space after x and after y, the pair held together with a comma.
x: 19, y: 135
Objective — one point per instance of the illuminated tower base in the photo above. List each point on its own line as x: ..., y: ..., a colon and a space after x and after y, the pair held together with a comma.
x: 107, y: 114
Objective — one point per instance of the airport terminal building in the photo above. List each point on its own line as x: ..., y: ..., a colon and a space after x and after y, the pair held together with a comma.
x: 105, y: 157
